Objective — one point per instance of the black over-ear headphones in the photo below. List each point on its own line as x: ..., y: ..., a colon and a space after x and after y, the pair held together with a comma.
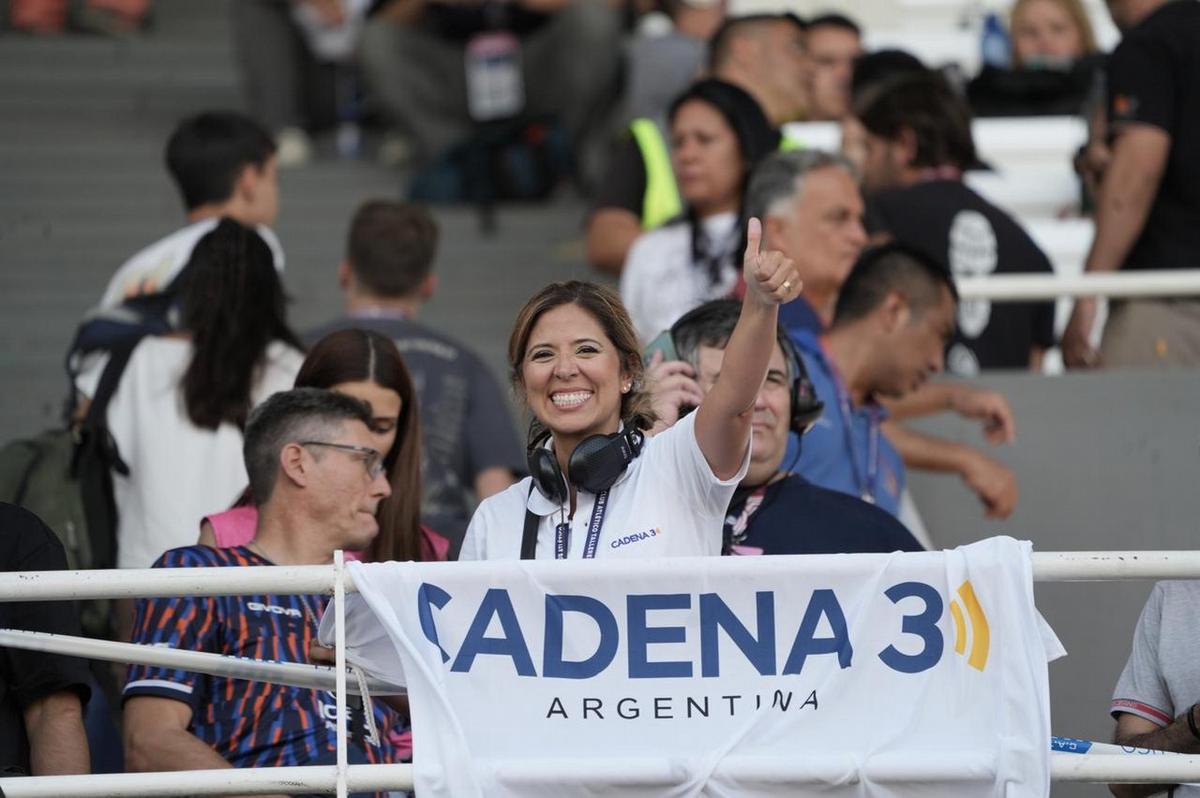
x: 597, y: 462
x: 806, y: 407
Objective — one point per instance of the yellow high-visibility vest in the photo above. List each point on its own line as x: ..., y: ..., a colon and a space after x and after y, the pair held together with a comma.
x: 662, y: 202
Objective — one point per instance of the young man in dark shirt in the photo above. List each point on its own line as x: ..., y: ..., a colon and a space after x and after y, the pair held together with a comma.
x: 469, y: 446
x: 918, y: 144
x: 1148, y: 210
x: 41, y: 695
x: 773, y: 511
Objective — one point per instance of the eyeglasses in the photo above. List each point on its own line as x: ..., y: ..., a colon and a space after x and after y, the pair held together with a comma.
x: 371, y: 458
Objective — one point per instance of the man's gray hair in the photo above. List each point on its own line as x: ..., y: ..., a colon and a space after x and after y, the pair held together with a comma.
x: 300, y: 414
x: 779, y: 178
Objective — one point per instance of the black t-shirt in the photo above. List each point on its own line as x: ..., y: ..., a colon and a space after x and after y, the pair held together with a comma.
x: 624, y: 181
x: 1154, y: 79
x: 1033, y: 92
x: 27, y: 544
x: 968, y: 235
x: 797, y: 517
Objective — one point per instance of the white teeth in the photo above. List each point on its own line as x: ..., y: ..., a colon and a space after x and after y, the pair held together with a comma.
x: 570, y: 399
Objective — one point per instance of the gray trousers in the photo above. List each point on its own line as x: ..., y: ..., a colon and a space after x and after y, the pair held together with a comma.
x: 418, y: 79
x: 284, y: 85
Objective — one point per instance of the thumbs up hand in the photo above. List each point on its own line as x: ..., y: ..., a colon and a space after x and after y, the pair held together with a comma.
x: 771, y: 277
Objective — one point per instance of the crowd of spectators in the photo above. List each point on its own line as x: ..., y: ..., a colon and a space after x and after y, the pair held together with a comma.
x: 834, y: 273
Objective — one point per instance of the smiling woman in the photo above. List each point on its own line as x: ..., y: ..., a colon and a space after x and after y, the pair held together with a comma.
x: 574, y: 360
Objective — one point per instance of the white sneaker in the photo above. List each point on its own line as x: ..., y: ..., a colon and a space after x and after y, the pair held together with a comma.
x: 293, y: 147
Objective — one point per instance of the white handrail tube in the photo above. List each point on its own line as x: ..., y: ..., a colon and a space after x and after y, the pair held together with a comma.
x: 237, y: 781
x: 294, y: 674
x: 1068, y: 566
x: 1115, y: 285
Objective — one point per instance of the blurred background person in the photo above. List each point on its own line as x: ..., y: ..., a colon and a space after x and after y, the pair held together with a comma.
x: 718, y: 134
x: 177, y: 414
x: 469, y: 446
x: 763, y: 55
x: 832, y: 42
x: 422, y: 58
x: 918, y: 145
x: 1148, y: 208
x: 667, y: 53
x: 297, y: 62
x: 223, y: 164
x: 1055, y: 63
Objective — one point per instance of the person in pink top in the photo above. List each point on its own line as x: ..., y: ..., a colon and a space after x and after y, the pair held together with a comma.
x: 367, y: 366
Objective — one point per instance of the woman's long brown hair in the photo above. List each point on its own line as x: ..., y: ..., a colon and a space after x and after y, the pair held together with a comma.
x: 361, y: 355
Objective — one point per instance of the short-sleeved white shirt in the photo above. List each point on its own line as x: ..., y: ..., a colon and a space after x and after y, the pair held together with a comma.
x: 660, y: 283
x: 667, y: 503
x: 178, y: 473
x: 152, y: 268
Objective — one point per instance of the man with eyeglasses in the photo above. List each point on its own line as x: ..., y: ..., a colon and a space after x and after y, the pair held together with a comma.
x: 318, y: 483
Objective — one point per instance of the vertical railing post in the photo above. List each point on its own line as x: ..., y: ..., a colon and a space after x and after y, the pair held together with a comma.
x: 339, y: 631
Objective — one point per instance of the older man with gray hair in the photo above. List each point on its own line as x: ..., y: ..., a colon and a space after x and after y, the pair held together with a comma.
x: 811, y: 210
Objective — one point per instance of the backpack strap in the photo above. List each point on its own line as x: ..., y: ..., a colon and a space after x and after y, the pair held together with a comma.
x: 110, y: 378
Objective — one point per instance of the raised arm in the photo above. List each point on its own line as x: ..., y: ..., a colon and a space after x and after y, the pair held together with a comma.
x: 723, y: 420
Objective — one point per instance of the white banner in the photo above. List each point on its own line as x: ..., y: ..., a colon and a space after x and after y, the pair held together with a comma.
x: 899, y: 675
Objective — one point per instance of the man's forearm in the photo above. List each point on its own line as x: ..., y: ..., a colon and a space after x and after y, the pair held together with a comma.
x: 930, y: 398
x: 58, y: 745
x: 926, y: 452
x: 1176, y: 737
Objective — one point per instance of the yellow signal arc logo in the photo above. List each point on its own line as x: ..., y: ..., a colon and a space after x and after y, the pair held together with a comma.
x: 973, y: 625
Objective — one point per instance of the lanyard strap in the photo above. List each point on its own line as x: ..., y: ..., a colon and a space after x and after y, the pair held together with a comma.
x: 562, y: 532
x: 737, y: 530
x: 864, y: 483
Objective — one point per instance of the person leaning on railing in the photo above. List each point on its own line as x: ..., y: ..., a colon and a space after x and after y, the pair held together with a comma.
x: 318, y: 481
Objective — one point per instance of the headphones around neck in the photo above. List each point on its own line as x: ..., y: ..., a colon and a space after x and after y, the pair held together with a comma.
x: 597, y: 462
x: 806, y: 407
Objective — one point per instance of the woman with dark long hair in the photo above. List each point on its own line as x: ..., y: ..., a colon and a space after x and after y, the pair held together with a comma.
x: 718, y: 133
x: 367, y: 366
x: 177, y: 412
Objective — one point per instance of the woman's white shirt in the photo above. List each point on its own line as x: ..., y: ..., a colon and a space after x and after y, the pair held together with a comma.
x: 659, y: 282
x: 178, y: 472
x: 667, y: 503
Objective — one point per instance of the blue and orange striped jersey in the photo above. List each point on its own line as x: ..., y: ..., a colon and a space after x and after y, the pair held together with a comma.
x: 250, y: 724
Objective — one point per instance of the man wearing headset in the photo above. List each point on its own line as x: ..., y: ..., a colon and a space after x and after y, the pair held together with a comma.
x: 773, y: 511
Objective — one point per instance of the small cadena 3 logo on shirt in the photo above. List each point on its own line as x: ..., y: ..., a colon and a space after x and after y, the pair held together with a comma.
x: 635, y: 537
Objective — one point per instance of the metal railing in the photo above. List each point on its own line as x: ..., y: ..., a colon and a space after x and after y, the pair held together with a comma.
x: 1102, y: 764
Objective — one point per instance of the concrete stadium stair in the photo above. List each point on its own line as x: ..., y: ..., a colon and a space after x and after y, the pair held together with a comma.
x: 82, y: 187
